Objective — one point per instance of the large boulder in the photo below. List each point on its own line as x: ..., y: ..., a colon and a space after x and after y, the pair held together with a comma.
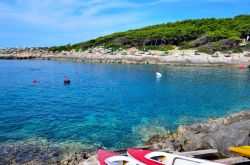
x: 246, y: 53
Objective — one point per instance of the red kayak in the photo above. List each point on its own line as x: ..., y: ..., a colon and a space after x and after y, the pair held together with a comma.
x: 139, y: 155
x: 103, y: 155
x: 163, y: 158
x: 110, y: 158
x: 243, y: 67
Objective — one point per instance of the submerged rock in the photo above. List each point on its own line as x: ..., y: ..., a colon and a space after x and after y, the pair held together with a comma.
x: 28, y: 154
x: 218, y: 134
x: 41, y: 152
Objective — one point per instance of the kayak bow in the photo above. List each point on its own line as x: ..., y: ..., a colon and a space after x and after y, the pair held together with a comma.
x: 243, y: 151
x: 110, y: 158
x: 162, y: 158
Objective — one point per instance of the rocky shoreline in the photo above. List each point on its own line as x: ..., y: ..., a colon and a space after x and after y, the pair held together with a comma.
x: 130, y: 56
x: 217, y: 133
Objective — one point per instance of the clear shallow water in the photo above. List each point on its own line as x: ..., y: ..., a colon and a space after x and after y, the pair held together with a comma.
x: 112, y: 105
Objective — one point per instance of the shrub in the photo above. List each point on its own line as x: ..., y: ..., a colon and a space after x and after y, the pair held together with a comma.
x: 216, y: 44
x: 164, y: 48
x: 205, y: 50
x: 236, y: 38
x: 187, y: 45
x: 247, y: 46
x: 114, y: 46
x: 236, y: 50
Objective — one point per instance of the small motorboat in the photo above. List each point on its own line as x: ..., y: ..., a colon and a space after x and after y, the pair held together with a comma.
x: 243, y: 151
x: 162, y: 158
x: 158, y: 75
x: 109, y: 158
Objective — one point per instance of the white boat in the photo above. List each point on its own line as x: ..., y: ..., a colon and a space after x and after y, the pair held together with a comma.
x: 158, y: 75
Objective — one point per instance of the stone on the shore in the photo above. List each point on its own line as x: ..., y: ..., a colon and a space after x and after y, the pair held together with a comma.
x: 78, y: 157
x: 220, y: 134
x: 246, y: 54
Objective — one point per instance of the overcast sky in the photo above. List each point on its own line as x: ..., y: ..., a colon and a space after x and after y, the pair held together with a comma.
x: 58, y: 22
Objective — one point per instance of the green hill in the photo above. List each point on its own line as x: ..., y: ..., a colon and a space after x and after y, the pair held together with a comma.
x: 207, y: 35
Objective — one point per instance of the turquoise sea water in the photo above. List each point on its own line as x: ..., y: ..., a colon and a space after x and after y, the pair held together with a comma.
x: 112, y: 105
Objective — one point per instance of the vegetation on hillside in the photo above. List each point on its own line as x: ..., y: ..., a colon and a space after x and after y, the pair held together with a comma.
x: 206, y: 35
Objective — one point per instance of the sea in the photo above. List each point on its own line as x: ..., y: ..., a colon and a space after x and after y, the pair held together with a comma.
x: 111, y: 106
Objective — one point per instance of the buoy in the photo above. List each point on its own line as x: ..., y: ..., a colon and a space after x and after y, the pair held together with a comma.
x: 66, y: 81
x: 158, y: 75
x: 34, y: 81
x: 243, y: 67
